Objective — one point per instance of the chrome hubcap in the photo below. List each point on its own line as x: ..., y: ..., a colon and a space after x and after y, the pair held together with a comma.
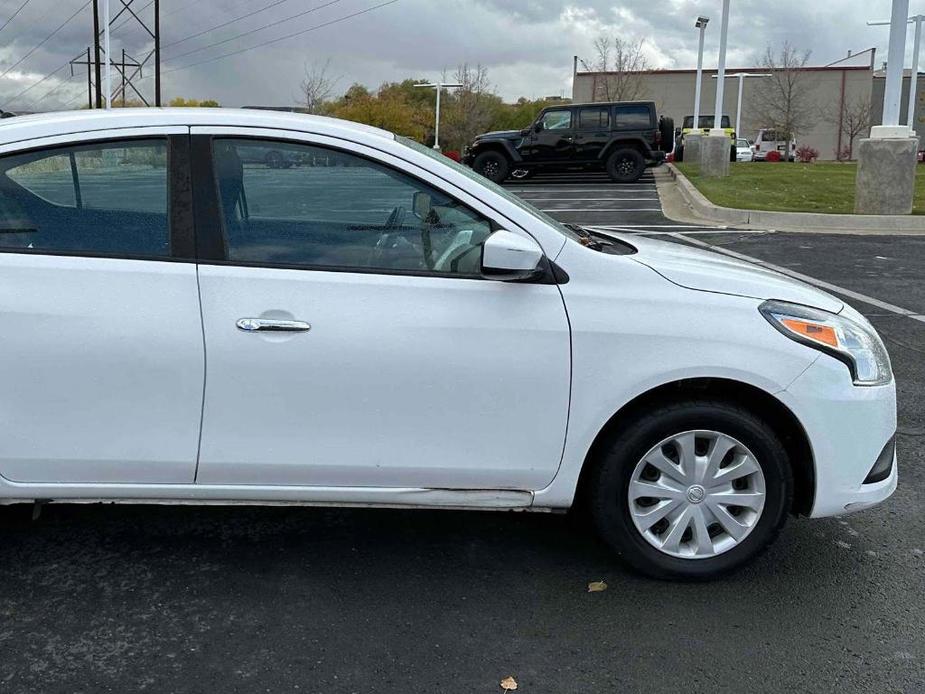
x: 696, y: 494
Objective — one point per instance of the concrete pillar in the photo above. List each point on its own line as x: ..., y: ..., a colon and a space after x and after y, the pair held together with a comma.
x: 692, y: 147
x: 886, y: 175
x: 714, y: 155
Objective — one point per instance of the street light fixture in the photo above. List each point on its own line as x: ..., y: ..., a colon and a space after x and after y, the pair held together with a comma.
x: 439, y: 86
x: 914, y: 77
x: 742, y: 76
x: 702, y: 25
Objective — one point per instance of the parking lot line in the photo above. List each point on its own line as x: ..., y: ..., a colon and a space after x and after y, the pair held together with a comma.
x: 892, y: 308
x: 585, y: 199
x: 596, y: 209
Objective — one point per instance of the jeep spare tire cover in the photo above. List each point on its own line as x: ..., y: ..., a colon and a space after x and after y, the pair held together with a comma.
x: 666, y: 128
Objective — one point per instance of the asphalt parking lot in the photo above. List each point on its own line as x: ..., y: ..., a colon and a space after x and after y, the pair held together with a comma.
x: 328, y: 600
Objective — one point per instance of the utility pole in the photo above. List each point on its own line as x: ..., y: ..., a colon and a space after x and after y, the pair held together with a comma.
x: 716, y: 148
x: 101, y: 52
x: 96, y: 54
x: 721, y: 72
x: 106, y: 26
x: 914, y: 77
x: 127, y: 63
x: 702, y: 25
x: 439, y: 86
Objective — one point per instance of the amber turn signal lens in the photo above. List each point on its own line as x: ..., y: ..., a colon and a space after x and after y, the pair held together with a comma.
x: 823, y: 334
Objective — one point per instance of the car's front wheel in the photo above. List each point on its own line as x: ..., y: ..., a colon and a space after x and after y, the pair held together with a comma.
x: 492, y: 165
x: 692, y: 490
x: 626, y: 165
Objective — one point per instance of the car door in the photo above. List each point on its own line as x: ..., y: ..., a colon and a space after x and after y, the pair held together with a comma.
x: 350, y: 339
x: 592, y: 134
x: 101, y: 360
x: 554, y: 142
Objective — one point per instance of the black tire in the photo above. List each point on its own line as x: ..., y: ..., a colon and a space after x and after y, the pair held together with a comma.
x: 666, y: 129
x: 608, y: 486
x: 679, y: 153
x: 492, y: 165
x: 625, y: 165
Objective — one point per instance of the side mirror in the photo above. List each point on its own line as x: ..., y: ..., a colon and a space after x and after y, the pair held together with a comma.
x: 509, y: 257
x: 538, y: 126
x: 421, y: 204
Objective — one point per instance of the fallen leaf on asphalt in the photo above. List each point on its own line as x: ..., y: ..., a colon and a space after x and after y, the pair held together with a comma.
x: 597, y: 587
x: 508, y: 684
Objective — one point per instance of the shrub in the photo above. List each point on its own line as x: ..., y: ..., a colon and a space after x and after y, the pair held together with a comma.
x: 773, y: 156
x: 806, y: 154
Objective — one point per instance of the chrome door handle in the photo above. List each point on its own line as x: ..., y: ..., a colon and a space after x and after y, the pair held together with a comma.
x: 255, y: 325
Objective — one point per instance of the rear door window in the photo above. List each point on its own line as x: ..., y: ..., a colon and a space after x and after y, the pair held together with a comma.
x: 633, y: 117
x: 101, y: 199
x: 596, y: 118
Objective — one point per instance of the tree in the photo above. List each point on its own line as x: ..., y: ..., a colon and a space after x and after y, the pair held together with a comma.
x: 618, y: 64
x: 470, y: 109
x: 194, y: 103
x: 785, y: 99
x: 852, y: 118
x: 317, y: 86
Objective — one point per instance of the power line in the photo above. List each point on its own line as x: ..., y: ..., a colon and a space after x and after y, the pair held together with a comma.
x: 251, y: 31
x: 283, y: 38
x: 224, y: 24
x: 13, y: 99
x: 46, y: 39
x: 13, y: 16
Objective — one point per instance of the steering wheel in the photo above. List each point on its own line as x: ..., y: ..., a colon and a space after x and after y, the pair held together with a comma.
x: 459, y: 246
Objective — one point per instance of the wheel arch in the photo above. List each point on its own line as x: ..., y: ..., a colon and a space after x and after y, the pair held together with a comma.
x: 501, y: 146
x: 758, y: 401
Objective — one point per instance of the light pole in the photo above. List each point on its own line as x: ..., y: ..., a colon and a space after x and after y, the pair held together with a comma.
x: 702, y: 25
x: 885, y: 182
x: 108, y: 80
x: 721, y: 72
x: 742, y: 76
x: 914, y: 77
x: 439, y: 86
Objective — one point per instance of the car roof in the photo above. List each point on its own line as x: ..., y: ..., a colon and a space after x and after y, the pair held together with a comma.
x: 70, y: 122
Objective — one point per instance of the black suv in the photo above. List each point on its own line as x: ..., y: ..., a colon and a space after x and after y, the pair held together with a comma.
x: 619, y: 138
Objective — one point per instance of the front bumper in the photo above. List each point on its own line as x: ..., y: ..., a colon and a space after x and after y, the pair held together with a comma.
x: 848, y: 428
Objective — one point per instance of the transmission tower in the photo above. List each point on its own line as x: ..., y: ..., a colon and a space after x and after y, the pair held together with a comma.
x: 130, y: 69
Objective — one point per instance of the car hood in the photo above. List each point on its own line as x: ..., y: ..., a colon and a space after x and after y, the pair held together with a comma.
x: 713, y: 272
x: 500, y: 135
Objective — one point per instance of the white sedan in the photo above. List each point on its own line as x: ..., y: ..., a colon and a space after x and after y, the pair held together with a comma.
x: 184, y: 322
x: 744, y: 151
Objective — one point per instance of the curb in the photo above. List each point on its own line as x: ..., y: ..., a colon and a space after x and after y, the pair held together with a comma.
x: 798, y: 221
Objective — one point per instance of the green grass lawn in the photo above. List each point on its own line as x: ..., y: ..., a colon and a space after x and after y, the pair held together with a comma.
x: 822, y: 187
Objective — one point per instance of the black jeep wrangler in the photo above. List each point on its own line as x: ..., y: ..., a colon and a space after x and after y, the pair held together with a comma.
x: 619, y: 138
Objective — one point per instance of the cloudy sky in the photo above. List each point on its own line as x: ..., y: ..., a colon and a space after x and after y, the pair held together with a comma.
x: 527, y: 45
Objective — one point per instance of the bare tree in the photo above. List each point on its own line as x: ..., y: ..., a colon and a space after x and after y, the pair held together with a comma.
x: 317, y: 85
x: 785, y: 99
x: 618, y: 66
x: 471, y: 109
x: 853, y: 118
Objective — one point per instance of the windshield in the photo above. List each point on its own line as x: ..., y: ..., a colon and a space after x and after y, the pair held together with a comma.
x: 705, y: 122
x: 494, y: 187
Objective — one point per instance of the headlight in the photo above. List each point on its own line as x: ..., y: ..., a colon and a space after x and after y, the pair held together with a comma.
x: 854, y: 343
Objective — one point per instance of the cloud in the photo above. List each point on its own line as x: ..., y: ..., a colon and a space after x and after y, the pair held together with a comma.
x: 527, y: 45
